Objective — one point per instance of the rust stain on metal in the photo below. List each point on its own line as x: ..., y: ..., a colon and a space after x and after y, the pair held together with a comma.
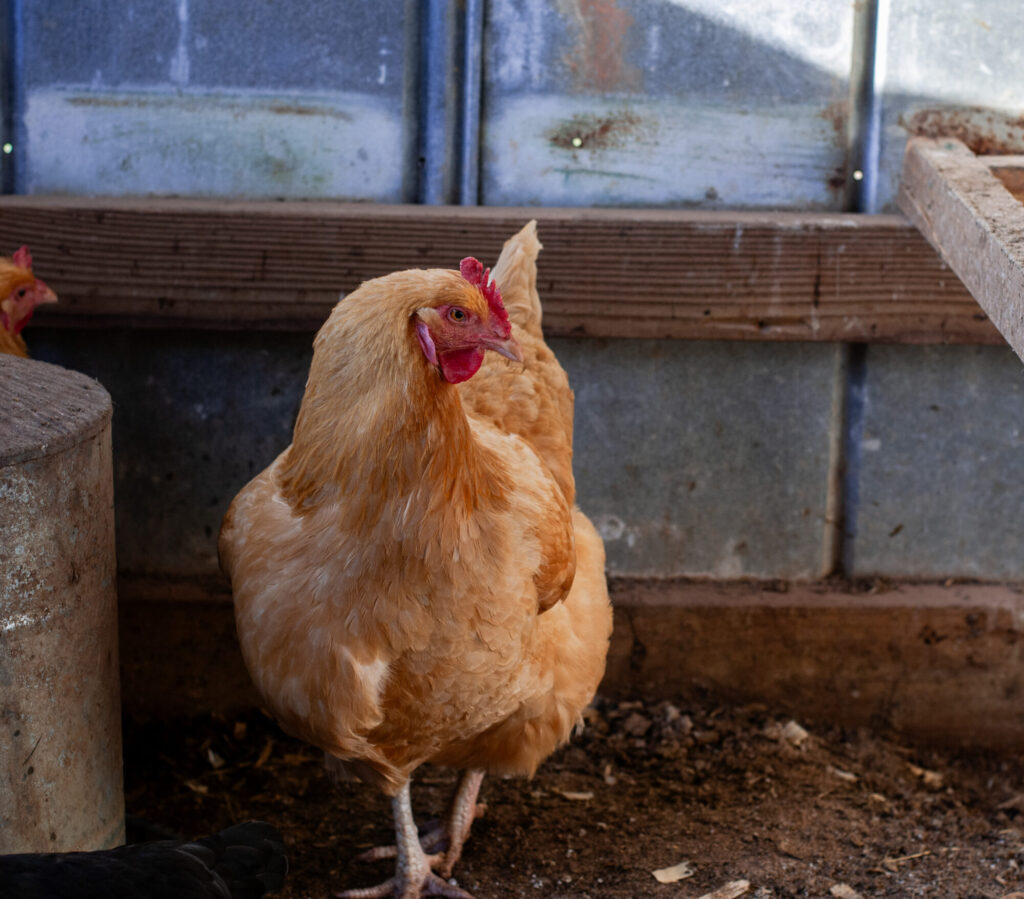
x: 598, y: 58
x: 837, y: 180
x: 984, y: 131
x: 593, y: 132
x: 837, y: 113
x: 196, y: 104
x: 299, y: 109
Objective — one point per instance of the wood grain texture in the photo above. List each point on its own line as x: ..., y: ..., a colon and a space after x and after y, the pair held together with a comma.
x: 974, y: 222
x: 46, y: 409
x: 936, y: 662
x: 603, y: 272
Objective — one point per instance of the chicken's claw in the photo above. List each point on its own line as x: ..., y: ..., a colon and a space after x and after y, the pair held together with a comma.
x: 413, y: 875
x: 444, y: 839
x: 432, y: 886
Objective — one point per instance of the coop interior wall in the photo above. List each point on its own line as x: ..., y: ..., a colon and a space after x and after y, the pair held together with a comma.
x: 721, y: 458
x: 712, y: 460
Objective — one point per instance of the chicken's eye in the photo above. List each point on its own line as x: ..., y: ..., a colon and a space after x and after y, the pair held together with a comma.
x: 456, y: 314
x: 22, y: 292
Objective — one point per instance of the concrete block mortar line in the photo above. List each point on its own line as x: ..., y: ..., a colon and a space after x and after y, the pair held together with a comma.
x: 832, y: 541
x: 854, y: 408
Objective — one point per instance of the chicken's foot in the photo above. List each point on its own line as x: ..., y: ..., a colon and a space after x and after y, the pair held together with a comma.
x: 413, y: 875
x: 447, y: 837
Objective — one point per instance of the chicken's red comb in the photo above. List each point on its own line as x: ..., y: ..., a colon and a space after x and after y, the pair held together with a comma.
x: 22, y: 258
x: 474, y: 272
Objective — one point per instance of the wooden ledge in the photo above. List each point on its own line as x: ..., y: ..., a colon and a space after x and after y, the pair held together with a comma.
x: 603, y: 273
x: 940, y: 663
x: 937, y: 663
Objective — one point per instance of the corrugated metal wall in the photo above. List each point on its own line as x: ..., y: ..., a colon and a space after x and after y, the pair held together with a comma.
x: 697, y: 459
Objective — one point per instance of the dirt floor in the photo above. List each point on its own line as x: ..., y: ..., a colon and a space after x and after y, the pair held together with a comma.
x: 736, y: 794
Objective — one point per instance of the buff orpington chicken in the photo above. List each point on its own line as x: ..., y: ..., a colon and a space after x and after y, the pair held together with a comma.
x: 20, y: 293
x: 413, y: 581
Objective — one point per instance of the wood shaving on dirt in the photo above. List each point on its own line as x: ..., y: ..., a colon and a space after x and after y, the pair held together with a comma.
x: 675, y: 873
x: 574, y: 796
x: 729, y: 891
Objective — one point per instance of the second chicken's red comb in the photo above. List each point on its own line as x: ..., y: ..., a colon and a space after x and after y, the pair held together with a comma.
x: 474, y: 272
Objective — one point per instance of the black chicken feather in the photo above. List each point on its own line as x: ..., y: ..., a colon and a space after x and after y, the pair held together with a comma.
x: 243, y: 862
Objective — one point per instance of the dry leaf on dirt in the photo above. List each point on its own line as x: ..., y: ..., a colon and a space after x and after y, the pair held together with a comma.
x: 673, y: 874
x: 843, y: 891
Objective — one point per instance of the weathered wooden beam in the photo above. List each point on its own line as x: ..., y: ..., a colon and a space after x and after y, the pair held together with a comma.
x: 936, y: 662
x: 974, y: 222
x: 603, y: 272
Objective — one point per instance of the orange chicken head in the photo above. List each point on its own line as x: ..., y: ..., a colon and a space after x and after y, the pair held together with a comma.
x: 455, y: 335
x: 21, y: 292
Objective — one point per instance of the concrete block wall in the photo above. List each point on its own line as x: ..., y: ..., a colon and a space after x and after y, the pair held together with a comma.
x: 710, y: 460
x: 699, y: 459
x: 941, y: 464
x: 706, y: 459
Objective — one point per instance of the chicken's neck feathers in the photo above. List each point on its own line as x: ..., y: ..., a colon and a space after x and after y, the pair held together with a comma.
x: 384, y: 435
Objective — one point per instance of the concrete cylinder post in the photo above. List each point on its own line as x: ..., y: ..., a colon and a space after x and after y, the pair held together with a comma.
x: 60, y: 719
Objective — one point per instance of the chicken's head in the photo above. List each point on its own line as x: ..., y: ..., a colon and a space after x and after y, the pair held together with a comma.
x: 20, y: 292
x: 455, y: 333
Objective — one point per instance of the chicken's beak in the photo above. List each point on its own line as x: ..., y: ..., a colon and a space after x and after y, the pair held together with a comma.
x: 47, y: 295
x: 508, y: 347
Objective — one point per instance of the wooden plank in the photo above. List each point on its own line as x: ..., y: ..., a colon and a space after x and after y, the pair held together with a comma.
x: 974, y: 222
x: 936, y: 662
x: 603, y: 273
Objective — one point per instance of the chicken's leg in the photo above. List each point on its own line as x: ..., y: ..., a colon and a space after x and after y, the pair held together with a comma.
x: 445, y: 838
x: 464, y: 811
x: 413, y: 877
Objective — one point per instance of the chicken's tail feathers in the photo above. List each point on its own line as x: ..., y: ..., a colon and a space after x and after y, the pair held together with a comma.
x: 248, y: 857
x: 516, y: 275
